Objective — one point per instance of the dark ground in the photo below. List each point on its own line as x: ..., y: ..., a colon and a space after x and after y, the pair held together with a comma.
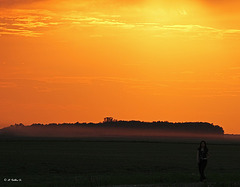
x: 103, y: 162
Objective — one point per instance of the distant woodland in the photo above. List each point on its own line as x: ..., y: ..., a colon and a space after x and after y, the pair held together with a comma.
x: 111, y: 127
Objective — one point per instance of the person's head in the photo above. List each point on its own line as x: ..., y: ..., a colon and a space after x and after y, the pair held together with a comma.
x: 203, y: 145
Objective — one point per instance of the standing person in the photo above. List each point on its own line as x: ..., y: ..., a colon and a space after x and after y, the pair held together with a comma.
x: 202, y: 156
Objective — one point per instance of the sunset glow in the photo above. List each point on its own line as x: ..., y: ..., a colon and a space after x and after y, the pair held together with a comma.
x: 76, y: 60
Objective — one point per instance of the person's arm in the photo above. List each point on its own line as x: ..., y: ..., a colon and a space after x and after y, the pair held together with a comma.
x: 208, y: 155
x: 197, y: 157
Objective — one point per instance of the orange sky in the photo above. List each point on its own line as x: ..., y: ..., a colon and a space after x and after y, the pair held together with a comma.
x: 77, y: 60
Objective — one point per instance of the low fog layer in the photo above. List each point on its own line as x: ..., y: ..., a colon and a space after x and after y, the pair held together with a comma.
x: 115, y: 129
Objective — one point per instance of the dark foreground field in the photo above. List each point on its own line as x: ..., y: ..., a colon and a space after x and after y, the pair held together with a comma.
x: 78, y: 162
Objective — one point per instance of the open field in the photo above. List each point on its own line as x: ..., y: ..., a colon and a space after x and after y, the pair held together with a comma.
x: 85, y: 162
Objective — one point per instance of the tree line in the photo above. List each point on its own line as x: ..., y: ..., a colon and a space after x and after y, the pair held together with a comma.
x: 164, y: 126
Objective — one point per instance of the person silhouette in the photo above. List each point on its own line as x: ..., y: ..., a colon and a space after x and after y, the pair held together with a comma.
x: 202, y: 156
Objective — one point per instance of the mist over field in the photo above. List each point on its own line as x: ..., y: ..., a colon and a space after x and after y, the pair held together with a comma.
x: 114, y: 129
x: 96, y: 132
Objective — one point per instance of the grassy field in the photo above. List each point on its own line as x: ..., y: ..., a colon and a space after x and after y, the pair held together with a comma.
x: 76, y: 162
